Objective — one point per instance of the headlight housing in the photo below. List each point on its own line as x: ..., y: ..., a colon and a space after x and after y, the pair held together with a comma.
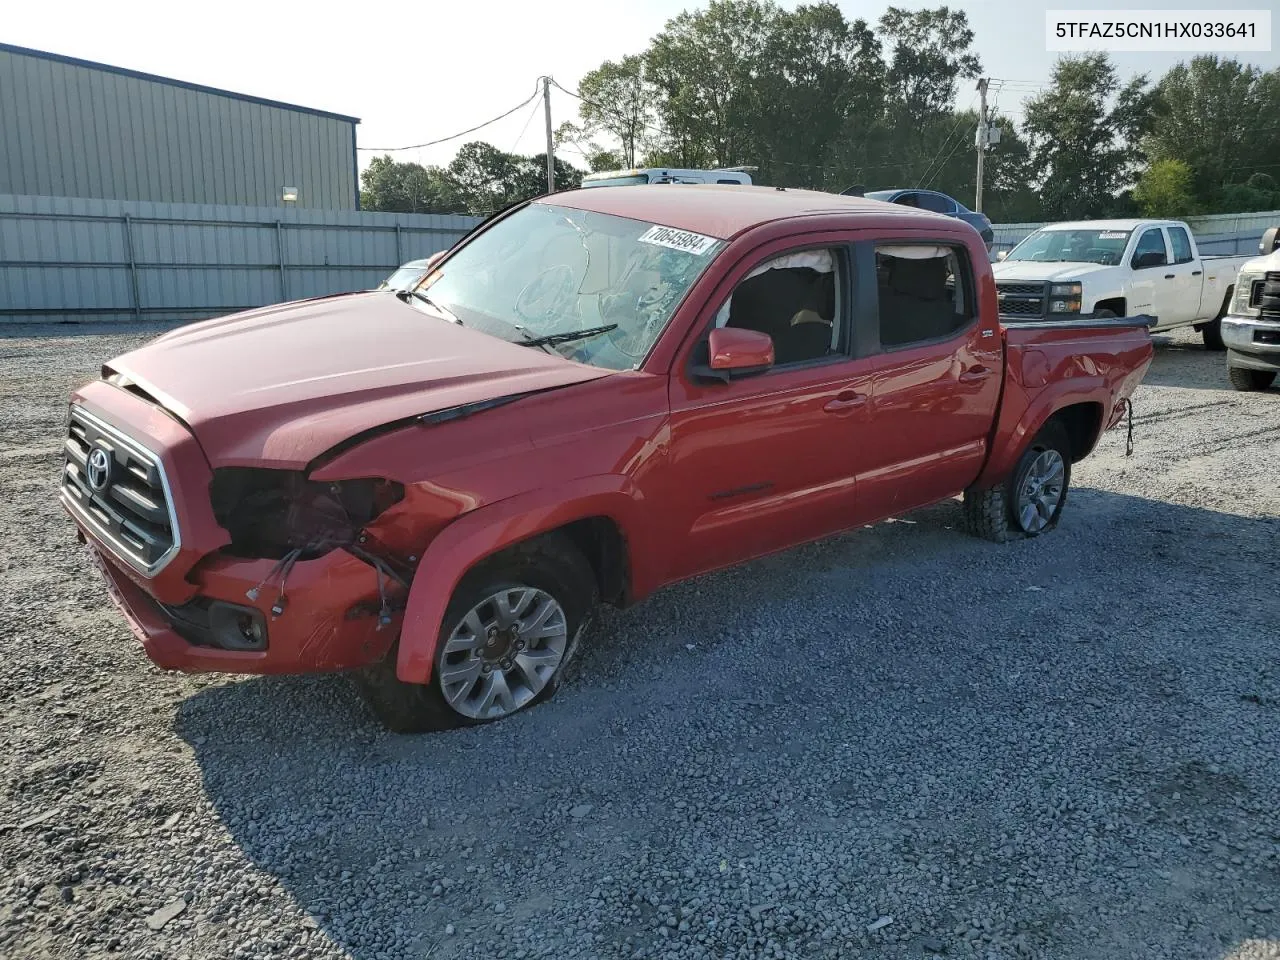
x: 270, y: 513
x: 1064, y: 297
x: 1243, y: 294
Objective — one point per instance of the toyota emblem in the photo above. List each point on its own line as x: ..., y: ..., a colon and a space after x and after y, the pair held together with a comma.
x: 97, y: 469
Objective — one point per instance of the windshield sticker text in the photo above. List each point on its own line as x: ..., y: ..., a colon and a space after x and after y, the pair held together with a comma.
x: 694, y: 243
x: 1120, y: 235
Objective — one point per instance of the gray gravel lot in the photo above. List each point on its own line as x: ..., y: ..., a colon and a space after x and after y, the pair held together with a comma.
x: 896, y: 743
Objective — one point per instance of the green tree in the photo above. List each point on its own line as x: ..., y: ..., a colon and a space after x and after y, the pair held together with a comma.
x: 931, y: 54
x: 1218, y: 117
x: 826, y: 79
x: 705, y: 66
x: 1083, y: 134
x: 618, y: 100
x: 403, y: 188
x: 484, y: 178
x: 1165, y: 190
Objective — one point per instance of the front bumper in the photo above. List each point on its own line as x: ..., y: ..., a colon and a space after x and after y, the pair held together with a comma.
x: 330, y: 617
x: 1253, y: 343
x: 329, y: 622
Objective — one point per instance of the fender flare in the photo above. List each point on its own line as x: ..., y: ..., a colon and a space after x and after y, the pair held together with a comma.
x: 486, y: 531
x: 1012, y: 436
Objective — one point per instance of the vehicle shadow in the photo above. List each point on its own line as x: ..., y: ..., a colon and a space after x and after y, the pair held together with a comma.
x: 903, y: 694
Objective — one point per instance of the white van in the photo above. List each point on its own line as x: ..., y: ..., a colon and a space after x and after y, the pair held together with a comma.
x: 625, y: 178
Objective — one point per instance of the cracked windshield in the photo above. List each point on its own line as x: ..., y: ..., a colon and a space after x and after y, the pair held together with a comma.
x: 593, y: 287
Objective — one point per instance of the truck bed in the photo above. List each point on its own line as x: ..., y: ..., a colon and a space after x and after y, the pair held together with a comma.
x: 1051, y: 365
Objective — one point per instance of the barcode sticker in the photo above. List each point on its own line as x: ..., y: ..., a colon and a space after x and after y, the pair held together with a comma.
x: 694, y: 243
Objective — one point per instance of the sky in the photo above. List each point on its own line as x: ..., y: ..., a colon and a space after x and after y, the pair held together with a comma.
x: 419, y: 71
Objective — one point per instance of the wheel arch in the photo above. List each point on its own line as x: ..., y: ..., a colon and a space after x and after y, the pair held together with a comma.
x: 1083, y: 425
x: 1117, y: 305
x: 599, y: 515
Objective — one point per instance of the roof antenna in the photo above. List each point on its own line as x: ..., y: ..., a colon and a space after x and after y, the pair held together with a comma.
x: 856, y: 190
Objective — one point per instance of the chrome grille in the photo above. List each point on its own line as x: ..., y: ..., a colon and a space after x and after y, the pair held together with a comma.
x: 118, y: 488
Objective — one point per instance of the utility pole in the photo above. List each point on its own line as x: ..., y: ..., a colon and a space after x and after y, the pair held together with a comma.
x: 551, y: 154
x: 982, y: 142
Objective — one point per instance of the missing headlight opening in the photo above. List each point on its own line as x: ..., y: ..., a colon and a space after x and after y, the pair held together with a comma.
x: 277, y: 513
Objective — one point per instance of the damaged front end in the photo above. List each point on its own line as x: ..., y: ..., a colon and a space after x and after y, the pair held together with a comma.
x: 309, y: 580
x: 283, y: 516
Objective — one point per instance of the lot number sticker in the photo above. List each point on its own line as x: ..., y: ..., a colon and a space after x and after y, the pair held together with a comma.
x: 694, y: 243
x: 1114, y: 235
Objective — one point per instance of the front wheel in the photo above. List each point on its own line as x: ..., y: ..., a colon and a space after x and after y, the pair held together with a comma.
x: 510, y: 631
x: 1031, y: 499
x: 1249, y: 380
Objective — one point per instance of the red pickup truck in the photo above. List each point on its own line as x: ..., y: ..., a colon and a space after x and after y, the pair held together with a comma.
x: 593, y: 395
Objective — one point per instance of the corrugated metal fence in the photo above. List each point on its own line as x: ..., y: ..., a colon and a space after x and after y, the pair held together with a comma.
x: 1228, y: 233
x: 70, y: 259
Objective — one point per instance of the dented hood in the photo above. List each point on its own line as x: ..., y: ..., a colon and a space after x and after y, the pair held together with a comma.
x: 281, y: 385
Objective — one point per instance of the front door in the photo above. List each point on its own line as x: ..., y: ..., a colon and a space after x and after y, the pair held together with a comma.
x: 1153, y: 280
x: 1184, y: 278
x: 768, y: 461
x: 937, y: 377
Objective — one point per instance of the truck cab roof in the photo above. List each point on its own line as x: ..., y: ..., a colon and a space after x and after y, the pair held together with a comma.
x: 723, y: 211
x: 1127, y: 225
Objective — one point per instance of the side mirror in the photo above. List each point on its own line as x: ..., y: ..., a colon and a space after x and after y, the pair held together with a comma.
x: 1270, y: 242
x: 1152, y: 258
x: 734, y: 352
x: 1001, y: 255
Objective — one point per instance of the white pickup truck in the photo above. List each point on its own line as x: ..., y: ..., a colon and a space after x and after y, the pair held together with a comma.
x: 1117, y: 268
x: 1252, y: 327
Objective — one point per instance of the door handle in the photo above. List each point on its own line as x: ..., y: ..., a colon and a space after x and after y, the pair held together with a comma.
x: 1169, y: 276
x: 1195, y: 273
x: 974, y: 375
x: 845, y: 402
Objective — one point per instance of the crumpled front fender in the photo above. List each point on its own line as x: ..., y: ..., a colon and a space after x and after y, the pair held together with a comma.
x: 486, y: 531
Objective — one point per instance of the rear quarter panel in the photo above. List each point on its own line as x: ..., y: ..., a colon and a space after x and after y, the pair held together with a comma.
x: 1052, y: 366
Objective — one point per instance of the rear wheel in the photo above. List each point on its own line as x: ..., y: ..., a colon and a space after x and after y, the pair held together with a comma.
x: 510, y: 631
x: 1031, y: 499
x: 1247, y: 380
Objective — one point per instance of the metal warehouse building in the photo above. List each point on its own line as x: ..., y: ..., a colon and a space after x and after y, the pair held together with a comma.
x: 74, y: 128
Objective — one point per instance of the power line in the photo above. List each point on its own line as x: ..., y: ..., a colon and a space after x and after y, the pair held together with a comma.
x: 920, y: 182
x: 527, y: 120
x: 479, y: 126
x: 607, y: 110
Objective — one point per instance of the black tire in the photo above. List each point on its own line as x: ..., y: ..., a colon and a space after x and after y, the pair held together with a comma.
x: 1103, y: 314
x: 1249, y: 380
x: 991, y: 513
x: 551, y: 563
x: 1212, y: 333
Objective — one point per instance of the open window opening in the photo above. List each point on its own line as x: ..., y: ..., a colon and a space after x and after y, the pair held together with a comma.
x: 793, y: 298
x: 923, y: 293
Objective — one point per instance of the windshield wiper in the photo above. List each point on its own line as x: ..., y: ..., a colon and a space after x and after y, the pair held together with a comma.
x: 407, y: 295
x: 568, y: 336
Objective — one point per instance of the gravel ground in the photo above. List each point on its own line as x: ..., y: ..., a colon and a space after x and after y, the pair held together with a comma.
x: 896, y: 743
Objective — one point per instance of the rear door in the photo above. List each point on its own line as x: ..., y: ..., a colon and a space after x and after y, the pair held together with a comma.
x: 938, y: 373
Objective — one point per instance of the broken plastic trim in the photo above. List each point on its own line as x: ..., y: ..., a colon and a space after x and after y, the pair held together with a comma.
x: 467, y: 409
x: 458, y: 412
